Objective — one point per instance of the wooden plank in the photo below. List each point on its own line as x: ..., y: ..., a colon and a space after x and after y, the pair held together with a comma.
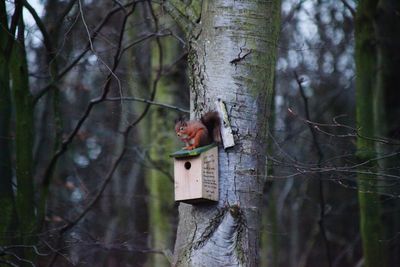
x: 226, y: 129
x: 191, y: 153
x: 210, y: 174
x: 188, y: 181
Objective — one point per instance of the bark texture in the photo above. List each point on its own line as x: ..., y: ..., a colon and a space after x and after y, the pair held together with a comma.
x: 232, y: 57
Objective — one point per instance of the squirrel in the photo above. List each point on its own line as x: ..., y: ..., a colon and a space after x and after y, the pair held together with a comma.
x: 196, y: 133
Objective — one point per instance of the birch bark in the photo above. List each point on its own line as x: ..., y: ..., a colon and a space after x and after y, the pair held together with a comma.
x: 232, y: 58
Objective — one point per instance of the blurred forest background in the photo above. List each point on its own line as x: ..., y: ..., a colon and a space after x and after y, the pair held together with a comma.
x: 96, y: 87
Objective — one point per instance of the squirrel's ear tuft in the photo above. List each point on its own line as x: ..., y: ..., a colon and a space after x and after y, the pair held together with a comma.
x: 180, y: 119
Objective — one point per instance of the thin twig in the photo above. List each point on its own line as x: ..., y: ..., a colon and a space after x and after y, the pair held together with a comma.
x: 9, y: 253
x: 9, y: 263
x: 25, y: 246
x: 159, y: 72
x: 144, y: 38
x: 119, y: 158
x: 335, y: 124
x: 65, y: 143
x: 125, y: 132
x: 13, y: 28
x: 137, y: 99
x: 349, y: 7
x: 159, y: 168
x: 46, y: 37
x: 92, y: 38
x: 65, y: 13
x: 117, y: 54
x: 103, y: 186
x: 317, y: 146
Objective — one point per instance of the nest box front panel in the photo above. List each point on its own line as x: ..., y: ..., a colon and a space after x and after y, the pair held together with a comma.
x: 188, y: 180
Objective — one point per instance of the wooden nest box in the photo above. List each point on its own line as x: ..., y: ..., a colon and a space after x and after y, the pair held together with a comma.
x: 196, y: 174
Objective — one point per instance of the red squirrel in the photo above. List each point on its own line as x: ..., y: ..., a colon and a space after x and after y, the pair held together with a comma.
x: 196, y: 133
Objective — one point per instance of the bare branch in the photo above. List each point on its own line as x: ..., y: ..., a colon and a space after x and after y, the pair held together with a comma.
x: 321, y: 220
x: 65, y: 143
x: 93, y: 36
x: 181, y: 19
x: 144, y: 38
x: 137, y: 99
x: 46, y: 37
x: 125, y: 133
x: 349, y: 7
x: 65, y: 13
x: 354, y: 132
x: 159, y: 72
x: 103, y: 186
x: 156, y: 165
x: 12, y: 254
x: 9, y: 263
x: 35, y: 249
x: 13, y: 28
x: 307, y: 113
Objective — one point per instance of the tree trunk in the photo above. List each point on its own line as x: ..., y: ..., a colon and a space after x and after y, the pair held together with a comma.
x: 387, y: 115
x: 232, y: 57
x: 161, y: 206
x: 23, y: 144
x: 365, y: 55
x: 7, y: 205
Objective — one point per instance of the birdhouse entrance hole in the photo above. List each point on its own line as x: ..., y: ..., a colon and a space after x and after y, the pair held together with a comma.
x: 187, y: 165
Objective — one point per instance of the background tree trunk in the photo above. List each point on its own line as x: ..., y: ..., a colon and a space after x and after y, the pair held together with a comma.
x: 7, y: 205
x: 232, y: 57
x: 370, y: 212
x: 25, y: 207
x: 162, y: 209
x: 387, y: 116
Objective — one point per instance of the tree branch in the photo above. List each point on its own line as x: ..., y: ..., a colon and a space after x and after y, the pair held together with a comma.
x: 317, y: 146
x: 349, y: 7
x: 46, y: 37
x: 66, y: 142
x: 172, y: 7
x: 159, y: 72
x: 190, y: 9
x: 65, y: 13
x: 92, y: 103
x: 13, y: 27
x: 9, y: 263
x: 144, y: 38
x: 103, y: 186
x: 125, y: 132
x: 137, y: 99
x: 335, y: 124
x: 94, y: 34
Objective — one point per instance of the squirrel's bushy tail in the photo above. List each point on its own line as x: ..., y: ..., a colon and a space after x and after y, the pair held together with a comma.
x: 213, y: 123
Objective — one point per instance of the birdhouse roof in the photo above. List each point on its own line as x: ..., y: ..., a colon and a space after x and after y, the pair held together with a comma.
x: 191, y: 153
